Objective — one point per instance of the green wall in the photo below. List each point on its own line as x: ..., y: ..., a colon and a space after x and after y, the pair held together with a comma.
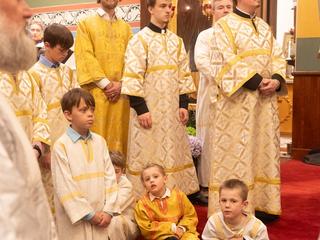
x: 307, y: 54
x: 308, y: 35
x: 43, y: 3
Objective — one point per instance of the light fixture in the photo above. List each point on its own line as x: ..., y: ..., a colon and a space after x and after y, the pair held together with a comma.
x: 206, y: 6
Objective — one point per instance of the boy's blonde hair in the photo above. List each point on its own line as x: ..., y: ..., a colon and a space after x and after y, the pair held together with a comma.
x: 150, y: 165
x: 117, y: 159
x: 233, y: 184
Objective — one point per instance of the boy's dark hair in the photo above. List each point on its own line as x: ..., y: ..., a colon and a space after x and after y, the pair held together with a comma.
x: 73, y: 97
x: 233, y: 184
x: 150, y: 165
x: 151, y: 3
x: 98, y: 1
x: 56, y: 34
x: 117, y: 159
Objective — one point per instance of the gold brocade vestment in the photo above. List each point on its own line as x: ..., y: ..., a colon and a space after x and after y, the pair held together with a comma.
x: 245, y: 139
x: 25, y: 99
x: 99, y: 50
x: 157, y: 69
x: 53, y: 84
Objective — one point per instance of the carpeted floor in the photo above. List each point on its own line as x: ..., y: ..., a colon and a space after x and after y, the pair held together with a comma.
x: 300, y: 198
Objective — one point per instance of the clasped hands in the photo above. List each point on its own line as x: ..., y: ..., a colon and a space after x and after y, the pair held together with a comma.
x: 145, y: 119
x: 101, y: 219
x: 179, y: 232
x: 268, y: 86
x: 112, y: 91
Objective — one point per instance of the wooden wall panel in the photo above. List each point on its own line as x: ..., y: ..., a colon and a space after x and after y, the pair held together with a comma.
x: 268, y: 12
x: 306, y: 113
x: 144, y: 14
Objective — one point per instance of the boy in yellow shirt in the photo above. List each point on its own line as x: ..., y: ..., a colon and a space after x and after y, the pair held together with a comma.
x: 163, y: 213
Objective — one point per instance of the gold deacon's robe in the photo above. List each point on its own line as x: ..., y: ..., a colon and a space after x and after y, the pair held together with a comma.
x: 155, y: 218
x: 217, y: 229
x: 99, y: 50
x: 53, y: 84
x: 124, y: 226
x: 84, y: 181
x: 23, y: 94
x: 157, y: 69
x: 24, y: 97
x: 245, y: 142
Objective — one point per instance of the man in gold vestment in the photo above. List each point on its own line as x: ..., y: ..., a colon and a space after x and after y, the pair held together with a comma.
x: 23, y: 94
x: 25, y: 99
x: 249, y: 74
x: 157, y: 79
x: 101, y: 42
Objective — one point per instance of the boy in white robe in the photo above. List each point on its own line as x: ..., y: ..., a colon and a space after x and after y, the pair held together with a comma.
x: 53, y: 77
x: 53, y: 80
x: 83, y: 177
x: 124, y: 225
x: 233, y: 222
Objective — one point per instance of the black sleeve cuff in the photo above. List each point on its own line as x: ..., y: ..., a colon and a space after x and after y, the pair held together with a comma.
x: 279, y: 78
x: 254, y: 82
x: 138, y: 104
x: 183, y: 101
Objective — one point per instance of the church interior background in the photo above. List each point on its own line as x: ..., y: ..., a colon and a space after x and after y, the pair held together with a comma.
x: 191, y: 17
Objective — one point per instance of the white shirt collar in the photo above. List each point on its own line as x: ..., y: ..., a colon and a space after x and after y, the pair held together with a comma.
x: 167, y: 193
x: 102, y: 13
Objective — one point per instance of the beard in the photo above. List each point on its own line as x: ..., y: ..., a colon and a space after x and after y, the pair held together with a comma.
x: 17, y: 50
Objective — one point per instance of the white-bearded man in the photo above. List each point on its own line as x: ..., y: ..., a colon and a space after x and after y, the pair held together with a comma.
x: 25, y: 212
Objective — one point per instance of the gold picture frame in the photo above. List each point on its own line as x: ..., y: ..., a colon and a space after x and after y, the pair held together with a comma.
x: 288, y: 46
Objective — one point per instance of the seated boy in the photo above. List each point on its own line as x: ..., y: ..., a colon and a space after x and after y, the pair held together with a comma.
x: 54, y: 78
x: 233, y: 222
x: 164, y: 214
x: 83, y: 176
x: 124, y: 226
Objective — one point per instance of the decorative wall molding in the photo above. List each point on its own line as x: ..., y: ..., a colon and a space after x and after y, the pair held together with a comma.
x: 130, y: 13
